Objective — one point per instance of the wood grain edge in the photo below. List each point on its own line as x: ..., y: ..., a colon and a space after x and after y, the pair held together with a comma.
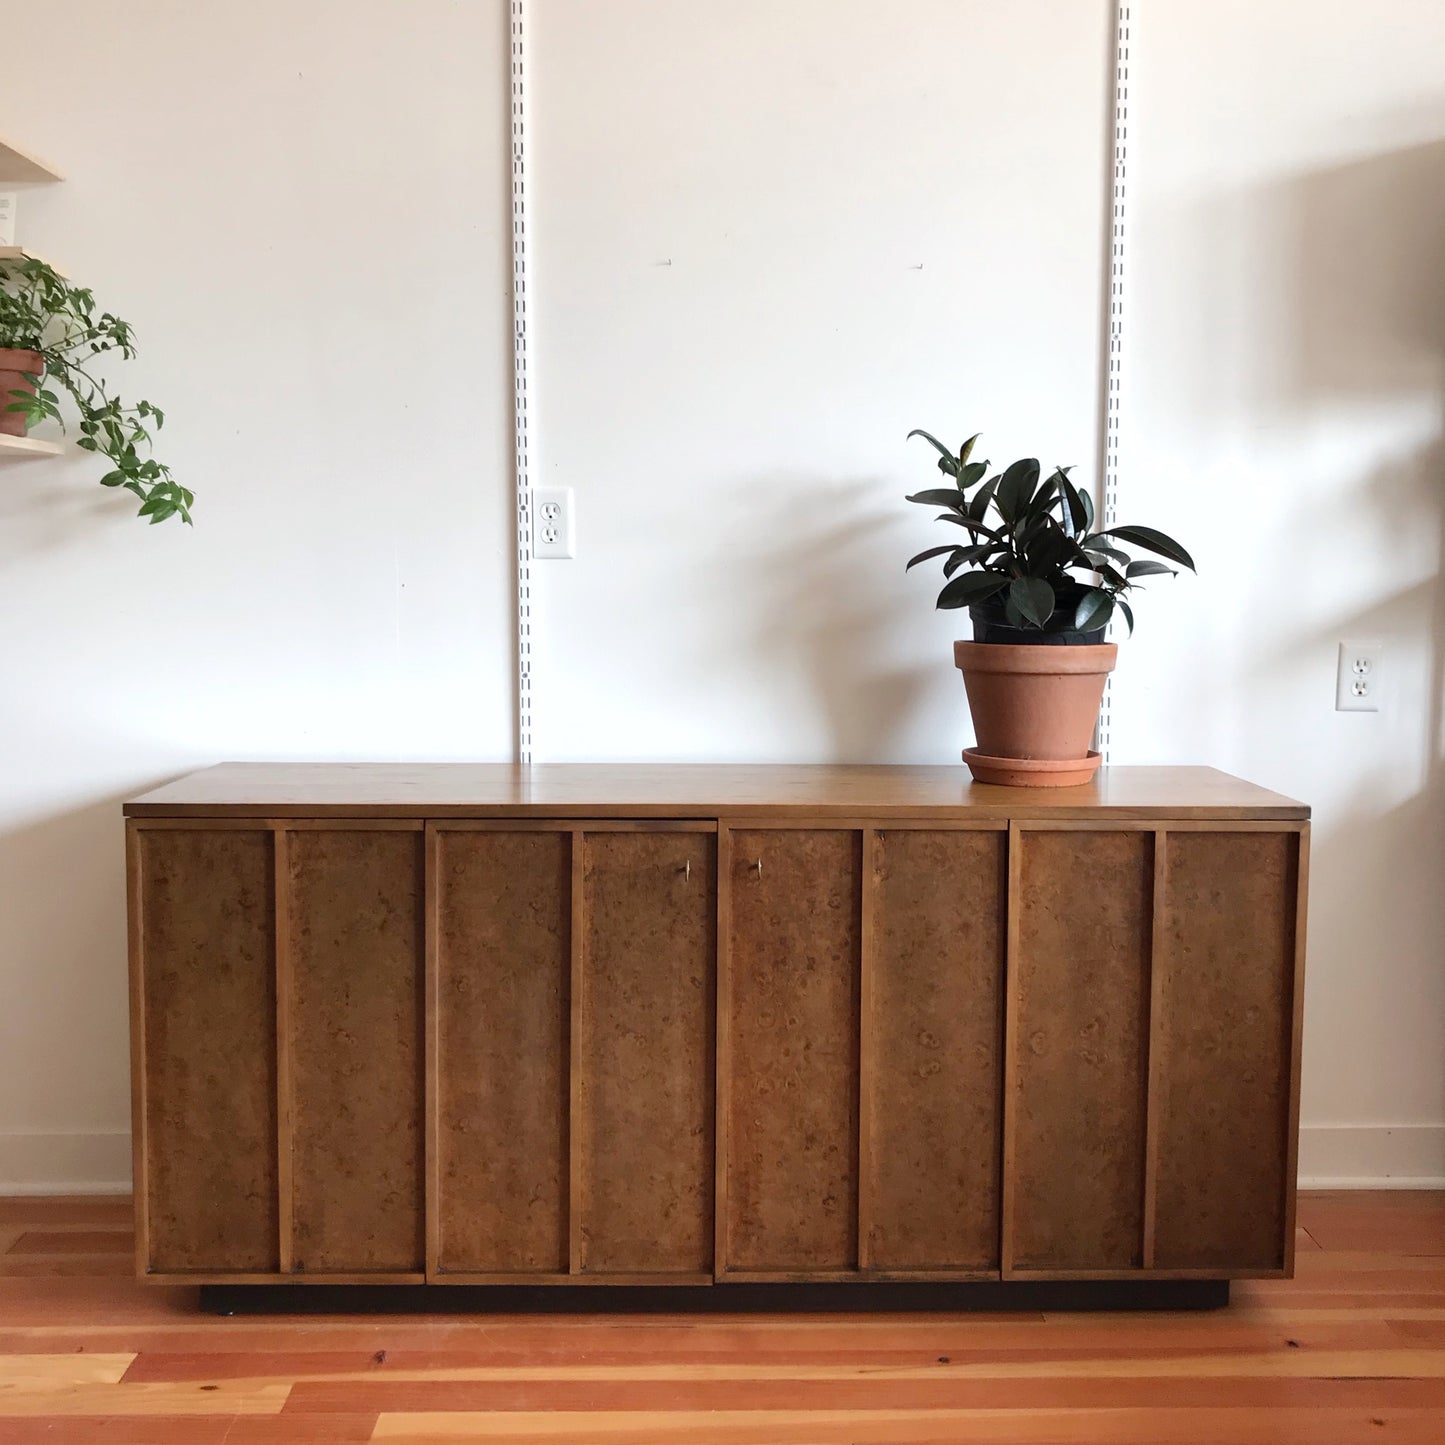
x: 592, y: 1278
x: 431, y: 1079
x: 140, y: 1172
x: 867, y: 1184
x: 565, y: 824
x: 285, y: 1104
x: 1008, y: 1154
x: 1131, y: 1272
x: 1197, y: 820
x: 576, y: 1100
x: 722, y: 1057
x: 1154, y: 1035
x: 1296, y: 1035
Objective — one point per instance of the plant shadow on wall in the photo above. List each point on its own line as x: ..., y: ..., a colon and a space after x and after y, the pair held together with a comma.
x: 836, y: 617
x: 1331, y: 286
x: 1369, y: 305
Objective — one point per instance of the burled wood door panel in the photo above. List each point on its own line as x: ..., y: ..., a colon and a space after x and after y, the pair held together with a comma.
x: 503, y: 991
x: 646, y: 1052
x: 1223, y: 1035
x: 935, y: 1067
x: 204, y: 924
x: 791, y: 1070
x: 355, y: 949
x: 1076, y: 1095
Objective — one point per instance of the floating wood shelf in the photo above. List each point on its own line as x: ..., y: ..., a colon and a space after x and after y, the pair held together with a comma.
x: 19, y: 448
x: 18, y: 167
x: 21, y: 253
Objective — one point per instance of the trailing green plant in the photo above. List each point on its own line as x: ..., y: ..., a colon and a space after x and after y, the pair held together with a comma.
x: 1032, y: 556
x: 41, y: 311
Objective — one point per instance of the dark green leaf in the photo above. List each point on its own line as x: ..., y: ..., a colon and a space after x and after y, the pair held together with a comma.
x: 1147, y: 569
x: 970, y: 588
x: 1074, y: 504
x: 978, y: 503
x: 1050, y: 548
x: 1127, y: 611
x: 977, y: 528
x: 1098, y: 550
x: 973, y: 472
x: 980, y: 552
x: 932, y: 552
x: 938, y: 497
x: 1094, y: 610
x: 1033, y: 597
x: 1152, y: 541
x: 933, y: 441
x: 1015, y: 488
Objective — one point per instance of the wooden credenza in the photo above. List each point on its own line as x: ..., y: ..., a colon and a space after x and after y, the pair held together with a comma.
x: 479, y: 1024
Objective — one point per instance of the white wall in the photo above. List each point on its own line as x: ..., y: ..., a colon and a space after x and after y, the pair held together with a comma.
x: 303, y: 210
x: 1286, y: 301
x: 769, y: 240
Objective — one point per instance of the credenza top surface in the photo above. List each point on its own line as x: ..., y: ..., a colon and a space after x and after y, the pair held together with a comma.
x: 633, y: 790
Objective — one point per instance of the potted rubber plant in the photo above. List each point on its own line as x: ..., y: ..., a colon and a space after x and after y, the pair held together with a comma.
x: 1041, y: 585
x: 50, y: 337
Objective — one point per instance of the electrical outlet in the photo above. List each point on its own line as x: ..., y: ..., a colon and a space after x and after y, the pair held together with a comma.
x: 1360, y: 678
x: 554, y: 522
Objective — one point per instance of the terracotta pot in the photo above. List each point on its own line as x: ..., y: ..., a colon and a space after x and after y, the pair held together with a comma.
x: 1034, y: 710
x: 18, y: 370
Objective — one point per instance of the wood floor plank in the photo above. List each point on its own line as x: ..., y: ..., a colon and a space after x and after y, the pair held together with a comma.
x: 69, y: 1241
x: 46, y: 1211
x: 980, y: 1392
x: 932, y: 1427
x: 1404, y: 1221
x: 1352, y: 1349
x: 89, y: 1398
x: 119, y: 1430
x: 19, y: 1372
x: 68, y: 1266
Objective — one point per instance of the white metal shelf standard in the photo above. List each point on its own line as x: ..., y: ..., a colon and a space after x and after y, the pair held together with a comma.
x: 523, y: 739
x: 1114, y: 341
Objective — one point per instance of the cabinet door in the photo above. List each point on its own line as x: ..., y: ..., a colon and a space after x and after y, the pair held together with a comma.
x: 790, y: 1067
x: 1223, y: 1038
x: 353, y: 950
x: 1154, y: 1049
x: 645, y: 1053
x: 933, y: 1050
x: 503, y: 933
x: 1079, y: 1031
x: 204, y: 1032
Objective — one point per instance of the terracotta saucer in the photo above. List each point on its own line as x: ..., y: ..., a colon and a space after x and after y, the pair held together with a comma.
x: 1032, y: 772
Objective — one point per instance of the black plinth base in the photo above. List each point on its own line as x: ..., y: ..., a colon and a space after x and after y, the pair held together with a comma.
x: 980, y: 1295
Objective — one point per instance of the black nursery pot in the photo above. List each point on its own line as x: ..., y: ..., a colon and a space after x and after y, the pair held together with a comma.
x: 989, y: 625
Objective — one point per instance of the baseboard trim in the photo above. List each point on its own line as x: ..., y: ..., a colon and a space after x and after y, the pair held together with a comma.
x: 1372, y: 1156
x: 33, y: 1163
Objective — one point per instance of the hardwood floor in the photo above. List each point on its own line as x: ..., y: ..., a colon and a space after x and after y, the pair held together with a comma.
x: 1352, y: 1349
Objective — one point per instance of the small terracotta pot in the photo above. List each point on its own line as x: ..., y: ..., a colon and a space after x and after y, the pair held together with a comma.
x: 18, y: 370
x: 1034, y: 705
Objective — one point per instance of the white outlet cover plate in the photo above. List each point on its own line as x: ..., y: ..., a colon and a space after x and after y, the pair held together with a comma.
x: 554, y: 523
x: 1360, y: 677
